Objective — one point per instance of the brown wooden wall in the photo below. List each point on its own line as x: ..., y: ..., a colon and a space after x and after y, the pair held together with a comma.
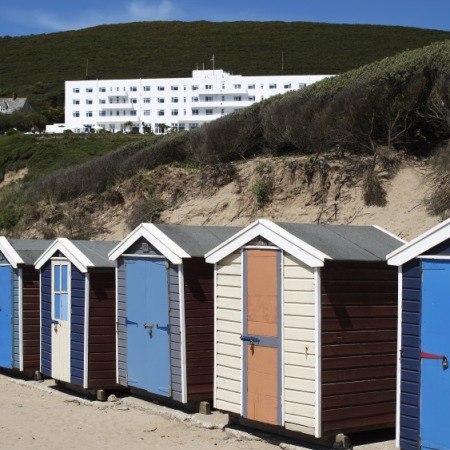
x: 102, y: 329
x: 31, y: 319
x: 199, y: 315
x: 359, y: 344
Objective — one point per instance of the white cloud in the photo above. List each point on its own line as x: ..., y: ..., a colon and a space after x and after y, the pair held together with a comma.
x: 134, y: 11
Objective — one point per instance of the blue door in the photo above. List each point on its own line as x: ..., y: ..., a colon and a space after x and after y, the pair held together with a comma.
x: 435, y: 353
x: 148, y: 333
x: 6, y: 330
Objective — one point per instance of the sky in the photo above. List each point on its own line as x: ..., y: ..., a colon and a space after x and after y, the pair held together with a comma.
x: 22, y: 17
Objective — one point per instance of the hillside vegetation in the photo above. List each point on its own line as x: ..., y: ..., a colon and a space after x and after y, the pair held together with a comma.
x: 37, y: 65
x: 370, y: 117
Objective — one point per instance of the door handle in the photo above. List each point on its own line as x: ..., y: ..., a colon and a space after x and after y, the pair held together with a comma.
x: 443, y: 358
x: 251, y: 339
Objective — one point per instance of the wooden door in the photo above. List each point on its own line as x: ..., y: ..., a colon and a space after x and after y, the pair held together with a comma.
x: 61, y: 306
x: 262, y: 371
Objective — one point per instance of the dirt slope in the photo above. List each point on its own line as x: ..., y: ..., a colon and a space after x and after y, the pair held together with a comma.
x: 299, y: 191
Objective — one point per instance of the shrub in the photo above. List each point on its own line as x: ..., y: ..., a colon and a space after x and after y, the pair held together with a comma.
x: 439, y: 201
x: 373, y: 192
x: 145, y: 210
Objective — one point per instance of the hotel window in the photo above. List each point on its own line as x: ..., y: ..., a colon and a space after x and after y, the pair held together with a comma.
x: 160, y: 112
x: 76, y: 102
x: 146, y: 112
x: 161, y: 88
x: 193, y: 125
x: 237, y: 86
x: 133, y: 113
x: 89, y: 89
x: 237, y: 98
x: 133, y: 88
x: 102, y: 89
x: 102, y: 113
x: 251, y: 86
x: 222, y: 111
x: 302, y: 85
x: 88, y: 102
x: 174, y: 112
x: 174, y: 88
x: 181, y: 126
x: 195, y: 112
x: 147, y: 100
x: 118, y: 113
x: 174, y: 99
x: 146, y: 88
x: 209, y: 112
x: 194, y: 88
x: 208, y: 98
x: 89, y: 114
x: 76, y: 114
x: 223, y: 98
x: 195, y: 99
x: 161, y: 100
x: 251, y: 98
x: 76, y: 90
x: 272, y: 86
x: 208, y: 86
x: 133, y: 100
x: 102, y: 101
x: 287, y: 86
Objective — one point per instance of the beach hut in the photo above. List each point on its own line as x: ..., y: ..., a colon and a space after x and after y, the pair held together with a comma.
x: 424, y: 339
x: 305, y: 327
x: 78, y: 319
x: 165, y: 310
x: 19, y: 304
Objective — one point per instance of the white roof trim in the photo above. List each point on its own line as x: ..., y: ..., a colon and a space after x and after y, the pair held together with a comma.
x: 10, y: 254
x: 420, y: 244
x: 69, y: 250
x: 269, y: 230
x: 389, y: 233
x: 172, y: 251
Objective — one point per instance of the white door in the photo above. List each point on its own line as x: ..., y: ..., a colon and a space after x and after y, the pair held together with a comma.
x: 61, y: 320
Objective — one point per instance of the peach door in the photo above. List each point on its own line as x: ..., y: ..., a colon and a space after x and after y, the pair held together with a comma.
x: 262, y: 335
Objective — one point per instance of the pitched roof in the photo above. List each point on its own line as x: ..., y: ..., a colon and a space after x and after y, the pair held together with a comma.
x: 83, y: 254
x: 22, y: 251
x: 29, y: 249
x: 420, y: 244
x: 197, y: 240
x: 9, y: 105
x: 176, y: 242
x: 314, y: 243
x: 345, y: 242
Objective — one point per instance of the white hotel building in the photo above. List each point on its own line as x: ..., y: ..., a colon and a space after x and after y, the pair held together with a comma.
x: 177, y: 103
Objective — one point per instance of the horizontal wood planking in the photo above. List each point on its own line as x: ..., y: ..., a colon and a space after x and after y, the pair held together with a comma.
x: 30, y: 318
x: 299, y: 348
x: 102, y: 329
x: 410, y: 362
x: 199, y: 301
x: 228, y: 344
x: 359, y: 332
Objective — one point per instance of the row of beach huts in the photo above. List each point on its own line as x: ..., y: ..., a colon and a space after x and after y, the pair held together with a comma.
x: 306, y: 328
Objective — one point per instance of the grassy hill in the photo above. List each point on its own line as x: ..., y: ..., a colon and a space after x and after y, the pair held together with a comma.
x: 372, y: 115
x: 37, y: 65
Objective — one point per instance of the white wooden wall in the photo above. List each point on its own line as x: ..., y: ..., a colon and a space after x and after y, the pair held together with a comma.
x: 229, y: 326
x: 299, y: 351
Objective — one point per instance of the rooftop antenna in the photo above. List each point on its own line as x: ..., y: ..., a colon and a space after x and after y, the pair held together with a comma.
x: 282, y: 60
x: 213, y: 60
x: 87, y: 67
x: 203, y: 66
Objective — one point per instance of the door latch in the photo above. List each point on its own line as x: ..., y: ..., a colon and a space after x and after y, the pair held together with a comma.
x: 251, y: 339
x: 149, y: 327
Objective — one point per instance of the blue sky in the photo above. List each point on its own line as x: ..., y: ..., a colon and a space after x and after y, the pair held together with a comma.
x: 22, y: 17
